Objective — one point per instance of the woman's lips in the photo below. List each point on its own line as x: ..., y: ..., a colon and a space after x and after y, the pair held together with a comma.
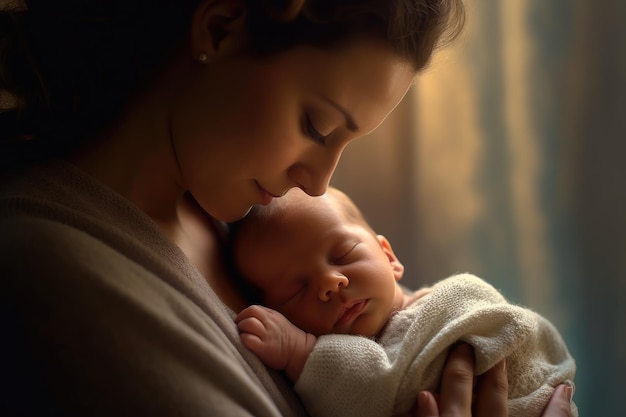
x: 350, y: 313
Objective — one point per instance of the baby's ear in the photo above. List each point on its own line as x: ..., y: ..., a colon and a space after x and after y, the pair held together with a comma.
x: 218, y: 27
x: 396, y: 265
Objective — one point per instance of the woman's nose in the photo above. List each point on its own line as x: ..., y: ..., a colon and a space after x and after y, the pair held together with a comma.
x: 314, y: 175
x: 331, y: 283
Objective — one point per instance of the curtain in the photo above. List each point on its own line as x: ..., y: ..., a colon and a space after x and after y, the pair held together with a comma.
x: 507, y: 159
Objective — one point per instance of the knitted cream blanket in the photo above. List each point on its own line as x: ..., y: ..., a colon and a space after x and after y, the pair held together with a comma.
x: 356, y: 376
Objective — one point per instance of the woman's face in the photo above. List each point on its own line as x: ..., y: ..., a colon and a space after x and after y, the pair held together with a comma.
x: 246, y: 129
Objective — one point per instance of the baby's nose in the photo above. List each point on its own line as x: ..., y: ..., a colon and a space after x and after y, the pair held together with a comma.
x: 331, y: 283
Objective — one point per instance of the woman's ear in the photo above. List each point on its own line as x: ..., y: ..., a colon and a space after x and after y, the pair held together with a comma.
x: 217, y: 28
x: 396, y: 265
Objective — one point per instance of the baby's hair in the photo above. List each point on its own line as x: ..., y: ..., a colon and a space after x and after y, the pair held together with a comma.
x: 348, y: 208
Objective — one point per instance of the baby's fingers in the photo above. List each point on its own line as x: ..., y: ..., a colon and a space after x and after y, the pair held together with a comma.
x: 252, y: 325
x: 253, y: 334
x: 252, y: 311
x: 252, y: 342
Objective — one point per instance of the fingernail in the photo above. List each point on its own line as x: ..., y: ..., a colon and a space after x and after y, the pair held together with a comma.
x: 568, y: 392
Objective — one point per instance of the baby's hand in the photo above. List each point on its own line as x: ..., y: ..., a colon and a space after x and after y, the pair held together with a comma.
x: 274, y: 339
x: 416, y: 296
x: 422, y: 292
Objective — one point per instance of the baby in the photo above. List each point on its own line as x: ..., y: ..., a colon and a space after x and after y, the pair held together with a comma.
x: 352, y: 340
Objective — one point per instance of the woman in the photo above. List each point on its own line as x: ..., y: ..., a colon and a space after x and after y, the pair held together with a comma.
x: 139, y: 127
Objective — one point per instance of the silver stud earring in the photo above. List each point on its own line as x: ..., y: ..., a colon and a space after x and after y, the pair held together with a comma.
x: 203, y: 57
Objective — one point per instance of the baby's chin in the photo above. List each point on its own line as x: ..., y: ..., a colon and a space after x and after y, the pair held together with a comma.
x: 372, y: 327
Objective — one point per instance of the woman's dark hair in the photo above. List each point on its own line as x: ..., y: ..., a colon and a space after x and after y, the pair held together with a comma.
x: 71, y: 66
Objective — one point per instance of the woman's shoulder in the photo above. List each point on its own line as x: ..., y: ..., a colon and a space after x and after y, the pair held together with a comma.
x: 45, y: 258
x: 100, y: 324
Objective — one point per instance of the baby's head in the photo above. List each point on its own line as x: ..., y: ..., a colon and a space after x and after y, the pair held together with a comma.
x: 318, y: 262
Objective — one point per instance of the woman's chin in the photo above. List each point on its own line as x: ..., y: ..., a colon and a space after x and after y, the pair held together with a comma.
x: 233, y: 217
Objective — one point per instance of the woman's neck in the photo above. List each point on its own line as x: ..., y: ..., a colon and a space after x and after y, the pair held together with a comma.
x: 202, y: 239
x: 136, y: 159
x: 148, y: 180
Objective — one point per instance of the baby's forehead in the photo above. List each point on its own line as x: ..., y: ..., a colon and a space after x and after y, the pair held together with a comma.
x: 323, y: 209
x: 296, y: 209
x: 330, y: 201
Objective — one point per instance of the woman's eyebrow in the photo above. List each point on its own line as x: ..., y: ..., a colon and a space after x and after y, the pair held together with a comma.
x: 350, y: 123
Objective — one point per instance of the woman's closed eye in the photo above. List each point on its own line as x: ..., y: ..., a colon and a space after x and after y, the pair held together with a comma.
x: 311, y: 131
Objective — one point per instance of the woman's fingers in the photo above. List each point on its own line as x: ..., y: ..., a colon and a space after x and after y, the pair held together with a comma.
x: 492, y: 392
x: 560, y: 403
x: 457, y: 390
x: 457, y: 383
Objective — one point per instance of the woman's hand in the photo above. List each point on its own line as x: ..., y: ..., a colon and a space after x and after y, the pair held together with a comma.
x: 489, y: 395
x: 457, y: 389
x: 560, y: 403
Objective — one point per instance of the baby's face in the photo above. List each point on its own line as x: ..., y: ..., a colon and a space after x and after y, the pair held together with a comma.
x: 323, y: 274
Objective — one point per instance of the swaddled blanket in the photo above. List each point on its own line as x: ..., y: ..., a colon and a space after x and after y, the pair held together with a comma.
x: 356, y: 376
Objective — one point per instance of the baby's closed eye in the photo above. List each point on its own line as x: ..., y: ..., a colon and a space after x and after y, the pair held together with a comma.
x: 345, y: 254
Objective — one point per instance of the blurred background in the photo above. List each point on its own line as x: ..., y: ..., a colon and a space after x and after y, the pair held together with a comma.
x: 508, y: 160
